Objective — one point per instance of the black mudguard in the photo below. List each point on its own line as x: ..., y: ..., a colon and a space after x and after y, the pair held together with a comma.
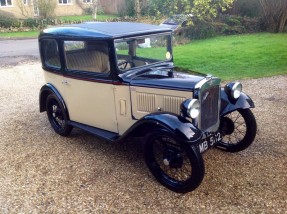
x: 44, y: 93
x: 182, y: 129
x: 229, y: 104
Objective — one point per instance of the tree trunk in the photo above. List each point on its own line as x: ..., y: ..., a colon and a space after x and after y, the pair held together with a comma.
x: 282, y: 23
x: 137, y: 8
x: 95, y: 9
x: 275, y: 14
x: 282, y: 19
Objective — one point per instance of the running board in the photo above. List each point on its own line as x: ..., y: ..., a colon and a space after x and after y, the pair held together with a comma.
x: 106, y: 135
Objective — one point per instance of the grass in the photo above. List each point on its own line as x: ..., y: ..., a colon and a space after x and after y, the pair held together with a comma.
x: 235, y: 57
x: 86, y: 18
x: 28, y: 34
x: 228, y: 57
x: 34, y: 34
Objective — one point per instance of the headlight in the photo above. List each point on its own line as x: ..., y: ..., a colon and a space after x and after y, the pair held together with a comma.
x: 190, y: 108
x: 233, y: 89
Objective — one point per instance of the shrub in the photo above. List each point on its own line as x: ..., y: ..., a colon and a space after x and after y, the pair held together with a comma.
x: 251, y: 25
x: 31, y: 23
x: 199, y: 30
x: 88, y: 11
x: 233, y: 20
x: 129, y: 9
x: 242, y: 24
x: 8, y: 21
x: 222, y: 25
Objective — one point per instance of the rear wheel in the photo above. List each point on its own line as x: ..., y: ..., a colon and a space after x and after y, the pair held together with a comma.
x: 57, y: 116
x: 176, y: 165
x: 238, y: 130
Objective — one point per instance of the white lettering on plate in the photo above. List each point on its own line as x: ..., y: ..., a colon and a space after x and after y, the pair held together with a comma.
x: 203, y: 146
x: 218, y: 137
x: 212, y: 141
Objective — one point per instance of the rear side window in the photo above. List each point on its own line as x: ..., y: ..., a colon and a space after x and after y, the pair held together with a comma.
x: 88, y: 56
x: 50, y: 53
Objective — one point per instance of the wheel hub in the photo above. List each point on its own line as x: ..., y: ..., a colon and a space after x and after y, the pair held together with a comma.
x: 173, y: 159
x: 226, y: 126
x: 57, y: 113
x: 166, y: 162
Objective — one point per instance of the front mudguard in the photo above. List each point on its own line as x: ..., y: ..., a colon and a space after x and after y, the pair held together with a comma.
x: 229, y: 104
x: 182, y: 129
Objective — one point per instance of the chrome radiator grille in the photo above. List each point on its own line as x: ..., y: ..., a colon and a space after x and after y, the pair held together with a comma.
x: 209, y: 108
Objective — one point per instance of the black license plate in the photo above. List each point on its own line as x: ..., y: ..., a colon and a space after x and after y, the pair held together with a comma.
x: 209, y: 141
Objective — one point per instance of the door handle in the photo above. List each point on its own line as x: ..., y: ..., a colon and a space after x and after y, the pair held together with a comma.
x: 65, y: 82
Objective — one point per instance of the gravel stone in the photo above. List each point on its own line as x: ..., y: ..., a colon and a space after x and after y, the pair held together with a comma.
x: 42, y: 172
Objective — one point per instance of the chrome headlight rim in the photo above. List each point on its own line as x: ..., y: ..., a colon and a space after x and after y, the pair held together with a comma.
x: 191, y: 108
x: 234, y: 89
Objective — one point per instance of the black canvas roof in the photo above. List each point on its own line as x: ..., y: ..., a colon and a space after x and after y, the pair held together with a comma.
x: 103, y: 30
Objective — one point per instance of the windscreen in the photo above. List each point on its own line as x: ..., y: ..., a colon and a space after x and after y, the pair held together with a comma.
x: 142, y: 51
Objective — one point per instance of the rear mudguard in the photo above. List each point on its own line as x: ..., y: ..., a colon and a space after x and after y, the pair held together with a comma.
x: 182, y: 129
x: 229, y: 104
x: 44, y: 93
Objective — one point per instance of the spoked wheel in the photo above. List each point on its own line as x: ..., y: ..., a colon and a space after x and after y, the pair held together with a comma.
x: 238, y: 130
x: 174, y: 164
x: 57, y: 116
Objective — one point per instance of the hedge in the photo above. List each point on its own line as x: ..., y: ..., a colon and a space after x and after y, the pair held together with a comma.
x: 222, y: 25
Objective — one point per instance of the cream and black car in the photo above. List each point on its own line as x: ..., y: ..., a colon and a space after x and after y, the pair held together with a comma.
x: 117, y: 80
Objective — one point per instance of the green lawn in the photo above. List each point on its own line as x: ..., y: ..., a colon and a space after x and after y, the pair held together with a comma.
x: 86, y: 18
x: 228, y: 57
x: 29, y: 34
x: 235, y: 57
x: 63, y: 18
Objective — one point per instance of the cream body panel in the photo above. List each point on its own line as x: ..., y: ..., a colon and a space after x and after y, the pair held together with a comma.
x: 90, y: 103
x: 56, y: 80
x: 123, y: 108
x: 148, y: 100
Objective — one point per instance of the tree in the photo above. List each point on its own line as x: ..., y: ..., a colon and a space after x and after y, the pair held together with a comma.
x: 46, y: 7
x: 203, y: 9
x: 137, y: 8
x: 169, y: 7
x: 275, y: 14
x: 25, y: 11
x: 250, y: 8
x: 94, y: 4
x: 208, y: 9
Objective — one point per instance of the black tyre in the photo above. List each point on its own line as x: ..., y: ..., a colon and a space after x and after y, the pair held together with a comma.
x: 174, y: 164
x: 238, y: 130
x: 57, y: 116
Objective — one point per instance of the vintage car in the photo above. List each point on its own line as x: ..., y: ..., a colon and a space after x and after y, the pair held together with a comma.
x: 101, y: 79
x: 176, y: 21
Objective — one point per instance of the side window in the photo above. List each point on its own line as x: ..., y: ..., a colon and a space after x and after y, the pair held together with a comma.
x: 90, y: 56
x: 51, y: 53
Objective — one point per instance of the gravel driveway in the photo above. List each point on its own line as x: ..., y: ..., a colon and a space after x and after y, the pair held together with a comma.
x: 43, y: 172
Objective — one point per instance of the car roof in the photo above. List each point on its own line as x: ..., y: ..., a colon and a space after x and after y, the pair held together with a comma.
x: 103, y: 30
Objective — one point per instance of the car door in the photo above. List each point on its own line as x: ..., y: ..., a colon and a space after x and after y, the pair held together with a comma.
x: 88, y: 91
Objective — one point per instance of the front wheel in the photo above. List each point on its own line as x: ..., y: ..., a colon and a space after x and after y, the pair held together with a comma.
x: 176, y: 165
x: 238, y: 130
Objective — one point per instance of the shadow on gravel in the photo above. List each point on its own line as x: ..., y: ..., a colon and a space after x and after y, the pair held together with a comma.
x: 8, y: 61
x: 127, y: 152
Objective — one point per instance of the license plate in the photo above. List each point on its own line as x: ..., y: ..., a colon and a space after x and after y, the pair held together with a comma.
x: 209, y: 141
